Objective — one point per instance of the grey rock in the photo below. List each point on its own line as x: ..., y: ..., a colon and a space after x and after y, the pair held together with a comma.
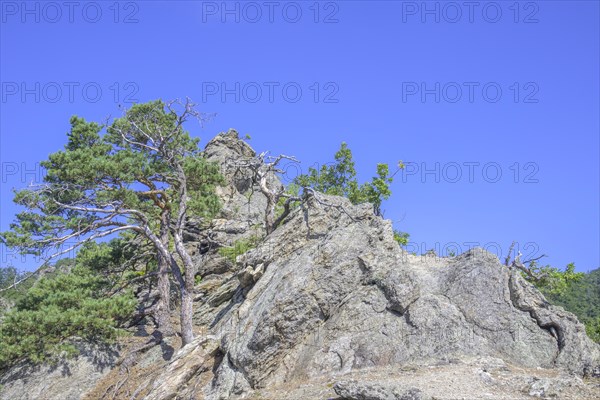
x: 243, y: 207
x: 576, y: 353
x: 213, y: 264
x: 250, y: 275
x: 68, y: 380
x: 243, y: 204
x: 353, y: 390
x: 329, y: 296
x: 338, y: 294
x: 156, y: 354
x: 485, y: 377
x: 188, y: 364
x: 223, y: 293
x: 553, y: 387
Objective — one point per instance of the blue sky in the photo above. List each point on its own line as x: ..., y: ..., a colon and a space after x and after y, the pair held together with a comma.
x: 494, y: 108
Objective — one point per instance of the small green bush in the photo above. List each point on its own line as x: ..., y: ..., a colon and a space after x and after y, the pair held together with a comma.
x: 239, y: 247
x: 592, y: 328
x: 340, y: 179
x: 401, y: 237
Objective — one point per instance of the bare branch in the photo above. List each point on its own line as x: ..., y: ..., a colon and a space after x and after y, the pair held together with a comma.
x: 510, y: 249
x: 534, y: 259
x: 317, y: 196
x: 534, y: 276
x: 69, y: 249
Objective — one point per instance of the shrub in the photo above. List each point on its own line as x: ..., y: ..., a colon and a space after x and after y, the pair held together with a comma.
x: 401, y: 237
x: 239, y: 247
x: 54, y: 310
x: 340, y: 179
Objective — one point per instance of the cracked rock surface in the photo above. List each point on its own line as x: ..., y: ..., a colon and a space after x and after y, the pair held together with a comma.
x: 338, y: 294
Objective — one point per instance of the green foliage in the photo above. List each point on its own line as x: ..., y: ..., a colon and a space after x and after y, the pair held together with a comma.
x: 340, y: 179
x: 56, y: 309
x: 118, y: 260
x: 592, y: 328
x: 551, y: 280
x: 202, y: 178
x: 582, y: 298
x: 239, y: 247
x: 401, y: 237
x: 8, y: 275
x: 293, y: 190
x: 141, y: 174
x: 100, y: 256
x: 108, y: 257
x: 136, y: 165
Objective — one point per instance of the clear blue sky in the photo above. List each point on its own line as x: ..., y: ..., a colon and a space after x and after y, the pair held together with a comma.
x: 496, y: 88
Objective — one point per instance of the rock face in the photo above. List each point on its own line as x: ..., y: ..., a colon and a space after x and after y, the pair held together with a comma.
x: 242, y: 217
x: 329, y: 305
x: 187, y: 365
x: 68, y: 380
x: 243, y: 204
x: 338, y: 294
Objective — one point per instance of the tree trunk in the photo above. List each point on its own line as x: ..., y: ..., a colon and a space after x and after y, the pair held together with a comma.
x: 270, y: 213
x: 163, y: 306
x: 187, y: 333
x: 187, y: 292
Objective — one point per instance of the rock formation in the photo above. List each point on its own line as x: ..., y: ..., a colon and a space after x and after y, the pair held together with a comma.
x: 329, y: 306
x: 338, y: 294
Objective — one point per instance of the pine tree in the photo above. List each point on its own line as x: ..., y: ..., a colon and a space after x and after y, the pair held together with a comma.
x: 144, y: 175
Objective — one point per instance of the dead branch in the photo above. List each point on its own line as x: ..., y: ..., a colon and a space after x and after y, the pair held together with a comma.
x: 510, y: 249
x: 536, y: 277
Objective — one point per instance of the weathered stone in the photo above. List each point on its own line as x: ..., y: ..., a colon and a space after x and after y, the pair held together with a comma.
x: 69, y: 379
x: 329, y: 297
x: 352, y: 390
x: 243, y: 204
x: 223, y: 293
x: 187, y: 364
x: 340, y: 295
x: 250, y: 275
x: 576, y: 352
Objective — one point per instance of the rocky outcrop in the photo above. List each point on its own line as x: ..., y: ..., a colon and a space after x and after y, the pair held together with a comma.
x: 243, y: 204
x: 478, y: 378
x: 329, y: 305
x: 338, y: 294
x: 576, y: 352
